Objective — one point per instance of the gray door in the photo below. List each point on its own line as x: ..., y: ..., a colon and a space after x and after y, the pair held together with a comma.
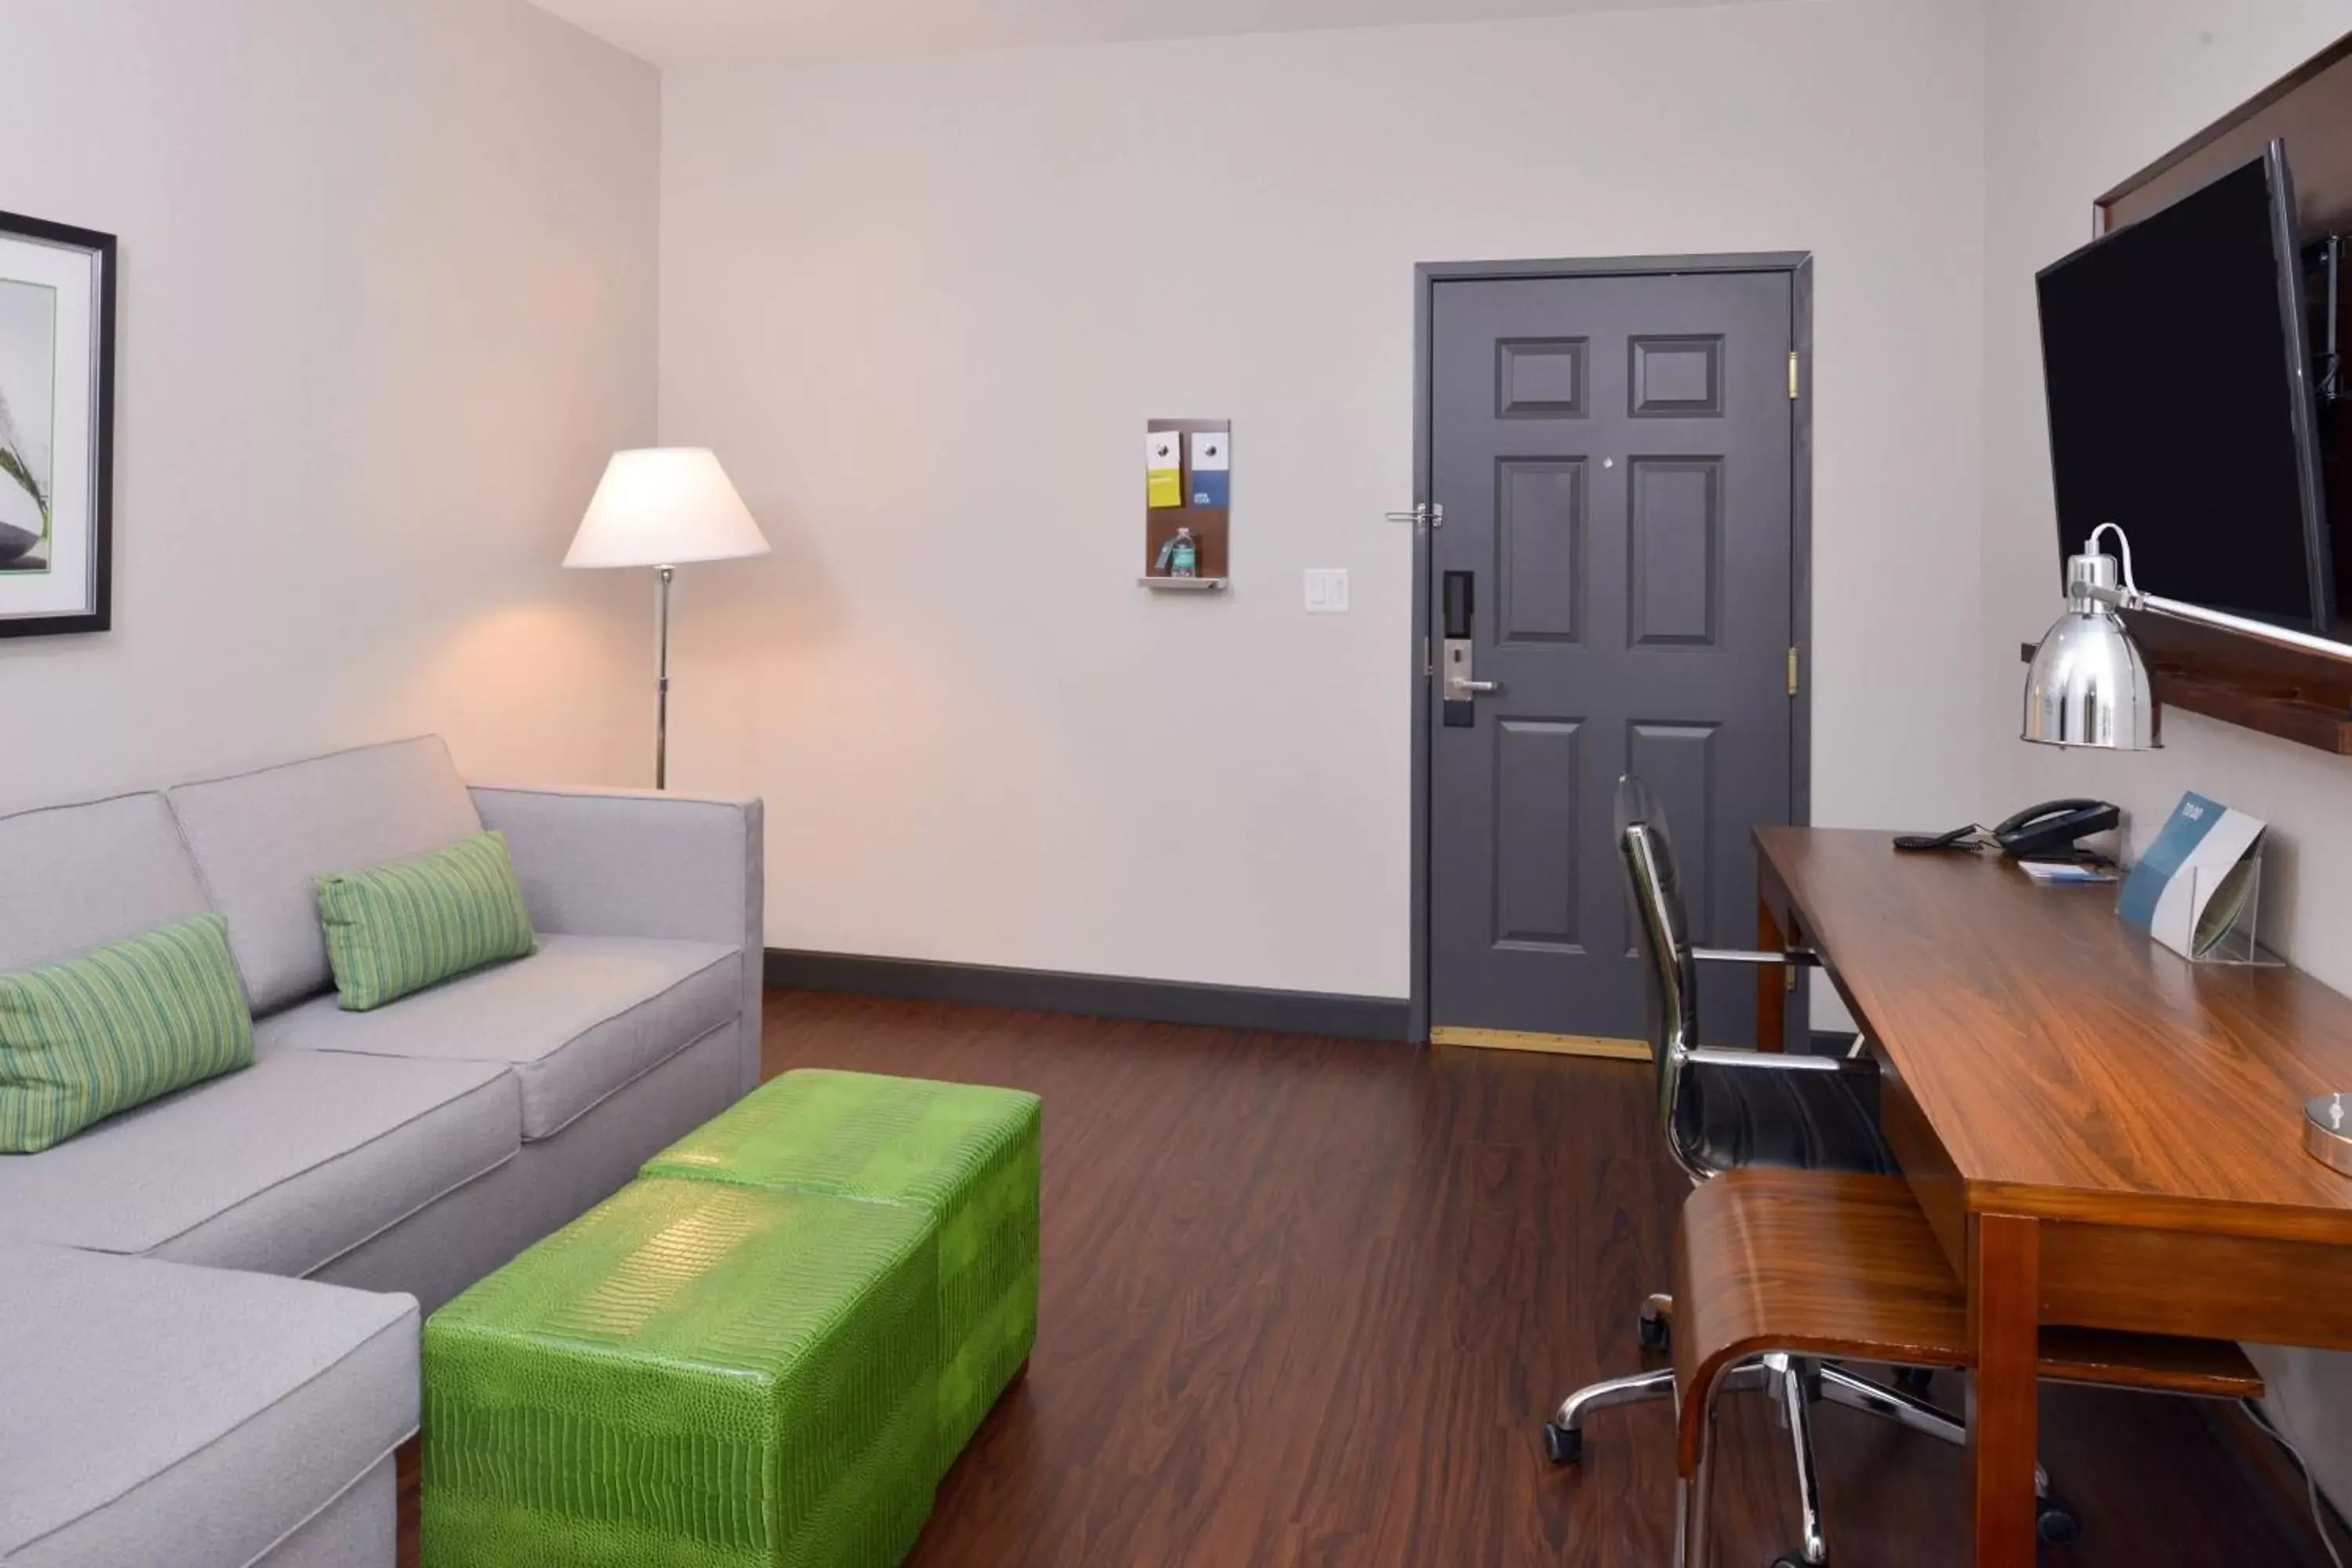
x: 1614, y: 457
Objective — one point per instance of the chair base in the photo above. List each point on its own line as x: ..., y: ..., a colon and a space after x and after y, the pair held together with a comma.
x: 1797, y: 1385
x: 1564, y: 1434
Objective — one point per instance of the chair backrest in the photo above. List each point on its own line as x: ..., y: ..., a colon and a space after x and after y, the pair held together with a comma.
x: 1662, y: 942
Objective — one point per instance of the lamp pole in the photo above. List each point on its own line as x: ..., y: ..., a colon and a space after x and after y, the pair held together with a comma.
x: 661, y: 684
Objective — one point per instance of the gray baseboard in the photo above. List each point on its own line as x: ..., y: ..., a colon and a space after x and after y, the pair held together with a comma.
x: 1096, y: 995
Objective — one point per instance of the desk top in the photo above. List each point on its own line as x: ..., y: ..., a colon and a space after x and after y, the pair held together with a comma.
x: 2069, y: 1066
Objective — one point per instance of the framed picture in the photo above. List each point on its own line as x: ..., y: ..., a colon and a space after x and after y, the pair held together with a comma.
x: 56, y: 428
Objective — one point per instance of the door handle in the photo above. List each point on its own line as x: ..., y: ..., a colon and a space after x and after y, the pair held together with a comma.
x: 1478, y: 688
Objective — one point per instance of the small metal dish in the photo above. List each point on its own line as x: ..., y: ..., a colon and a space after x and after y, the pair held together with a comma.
x: 2328, y: 1131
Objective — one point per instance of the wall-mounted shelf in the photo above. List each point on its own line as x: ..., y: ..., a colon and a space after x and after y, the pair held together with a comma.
x: 1184, y: 584
x: 2296, y: 695
x: 2301, y: 697
x: 2310, y: 109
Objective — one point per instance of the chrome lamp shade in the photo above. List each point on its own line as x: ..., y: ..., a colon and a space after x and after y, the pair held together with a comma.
x: 2088, y: 685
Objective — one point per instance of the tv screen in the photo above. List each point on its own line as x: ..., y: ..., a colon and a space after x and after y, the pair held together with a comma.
x: 2181, y: 404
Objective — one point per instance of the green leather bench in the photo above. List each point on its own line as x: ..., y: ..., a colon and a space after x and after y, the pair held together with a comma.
x: 964, y: 1155
x: 765, y: 1352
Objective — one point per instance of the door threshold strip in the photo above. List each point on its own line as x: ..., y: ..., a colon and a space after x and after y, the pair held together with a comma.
x: 1554, y: 1044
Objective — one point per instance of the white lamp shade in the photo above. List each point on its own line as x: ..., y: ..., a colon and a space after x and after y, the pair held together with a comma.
x: 664, y: 506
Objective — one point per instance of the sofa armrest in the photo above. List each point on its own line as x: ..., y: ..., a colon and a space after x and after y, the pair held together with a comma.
x: 633, y: 863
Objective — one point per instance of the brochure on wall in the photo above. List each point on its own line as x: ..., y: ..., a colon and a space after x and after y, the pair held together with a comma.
x: 1163, y: 468
x: 1212, y: 465
x: 2190, y: 887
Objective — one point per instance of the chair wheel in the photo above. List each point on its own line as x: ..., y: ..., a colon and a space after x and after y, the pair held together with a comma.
x: 1562, y: 1446
x: 2056, y: 1524
x: 1655, y: 1334
x: 1916, y: 1381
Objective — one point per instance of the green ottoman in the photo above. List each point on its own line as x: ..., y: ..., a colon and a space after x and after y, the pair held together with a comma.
x: 690, y: 1375
x: 965, y: 1155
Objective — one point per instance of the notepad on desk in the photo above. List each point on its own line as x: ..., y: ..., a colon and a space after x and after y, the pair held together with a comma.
x: 2053, y: 871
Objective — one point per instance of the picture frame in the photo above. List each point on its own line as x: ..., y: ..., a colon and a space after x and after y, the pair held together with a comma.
x: 57, y: 428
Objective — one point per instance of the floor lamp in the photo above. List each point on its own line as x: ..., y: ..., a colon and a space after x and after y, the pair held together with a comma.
x: 664, y: 507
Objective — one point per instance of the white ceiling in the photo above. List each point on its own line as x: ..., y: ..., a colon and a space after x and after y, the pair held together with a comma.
x: 685, y: 33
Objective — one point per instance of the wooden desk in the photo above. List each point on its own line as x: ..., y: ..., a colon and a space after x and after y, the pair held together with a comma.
x: 2100, y: 1132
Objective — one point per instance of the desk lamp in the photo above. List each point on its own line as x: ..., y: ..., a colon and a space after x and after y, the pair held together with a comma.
x: 2088, y: 686
x: 664, y: 507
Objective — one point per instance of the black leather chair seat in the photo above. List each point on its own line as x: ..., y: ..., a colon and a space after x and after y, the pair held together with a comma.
x: 1810, y: 1121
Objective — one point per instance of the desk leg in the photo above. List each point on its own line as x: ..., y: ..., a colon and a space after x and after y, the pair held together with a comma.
x: 1772, y: 984
x: 2004, y: 1415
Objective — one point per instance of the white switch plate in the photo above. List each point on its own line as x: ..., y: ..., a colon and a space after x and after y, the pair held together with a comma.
x: 1327, y: 591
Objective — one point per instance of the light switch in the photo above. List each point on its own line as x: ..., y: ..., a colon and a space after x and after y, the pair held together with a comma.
x: 1327, y: 591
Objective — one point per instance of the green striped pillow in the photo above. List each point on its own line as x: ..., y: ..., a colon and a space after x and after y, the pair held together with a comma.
x: 414, y: 923
x: 114, y: 1028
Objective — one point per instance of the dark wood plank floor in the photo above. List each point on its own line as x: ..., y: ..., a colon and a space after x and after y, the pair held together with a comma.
x: 1307, y: 1300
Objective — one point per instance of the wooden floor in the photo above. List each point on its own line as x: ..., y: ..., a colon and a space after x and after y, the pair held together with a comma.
x: 1307, y: 1301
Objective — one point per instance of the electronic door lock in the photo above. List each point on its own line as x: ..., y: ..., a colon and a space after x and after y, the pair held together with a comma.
x: 1455, y: 654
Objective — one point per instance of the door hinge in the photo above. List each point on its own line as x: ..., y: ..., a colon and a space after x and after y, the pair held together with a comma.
x: 1427, y: 515
x: 1793, y: 375
x: 1789, y: 977
x: 1792, y: 672
x: 1428, y: 664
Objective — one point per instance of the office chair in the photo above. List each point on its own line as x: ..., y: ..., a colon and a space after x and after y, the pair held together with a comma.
x: 1721, y: 1110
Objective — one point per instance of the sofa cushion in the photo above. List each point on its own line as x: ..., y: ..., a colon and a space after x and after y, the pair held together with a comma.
x: 280, y: 1168
x: 392, y: 931
x: 84, y: 1038
x: 155, y: 1414
x: 580, y: 1019
x: 262, y: 839
x: 73, y: 878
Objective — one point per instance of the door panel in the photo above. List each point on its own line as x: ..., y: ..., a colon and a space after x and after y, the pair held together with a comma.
x: 1540, y: 576
x: 1538, y: 779
x: 1614, y: 458
x: 1678, y: 761
x: 1678, y: 550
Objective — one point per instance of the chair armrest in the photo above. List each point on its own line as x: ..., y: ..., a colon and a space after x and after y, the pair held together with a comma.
x: 1801, y: 956
x: 631, y: 863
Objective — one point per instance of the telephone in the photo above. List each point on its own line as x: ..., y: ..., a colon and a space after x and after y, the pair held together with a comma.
x: 2048, y: 831
x: 2052, y: 827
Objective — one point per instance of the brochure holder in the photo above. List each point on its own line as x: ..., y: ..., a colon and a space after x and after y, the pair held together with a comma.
x: 2237, y: 892
x: 1203, y: 498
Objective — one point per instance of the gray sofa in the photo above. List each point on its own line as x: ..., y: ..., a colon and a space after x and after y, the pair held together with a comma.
x: 161, y: 1400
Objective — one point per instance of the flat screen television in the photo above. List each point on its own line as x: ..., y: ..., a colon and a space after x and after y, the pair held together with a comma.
x: 2178, y: 364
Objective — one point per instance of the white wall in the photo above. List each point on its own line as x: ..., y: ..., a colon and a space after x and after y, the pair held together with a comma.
x: 387, y: 301
x: 923, y: 309
x: 2082, y: 93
